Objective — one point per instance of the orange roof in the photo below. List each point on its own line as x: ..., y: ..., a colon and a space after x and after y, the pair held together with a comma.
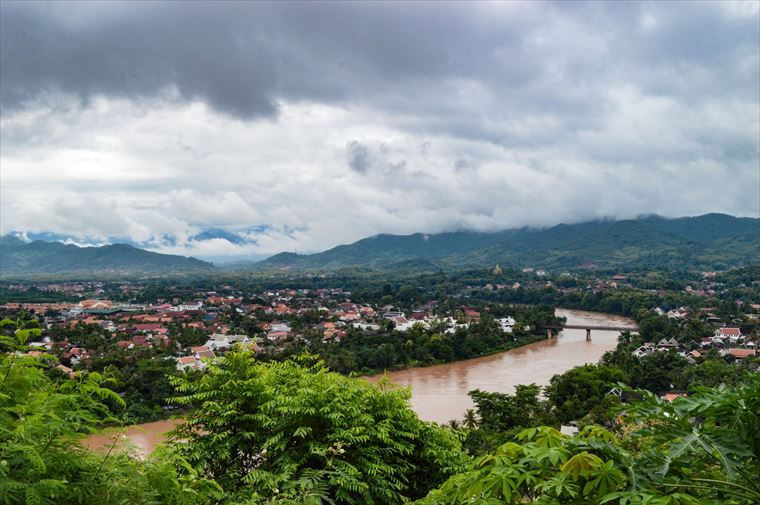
x: 730, y: 331
x: 741, y: 353
x: 95, y: 304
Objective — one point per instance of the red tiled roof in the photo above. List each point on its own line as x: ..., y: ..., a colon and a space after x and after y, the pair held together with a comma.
x: 733, y: 332
x: 741, y: 353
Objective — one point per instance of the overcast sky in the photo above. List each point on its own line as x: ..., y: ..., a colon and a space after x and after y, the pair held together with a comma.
x: 306, y: 125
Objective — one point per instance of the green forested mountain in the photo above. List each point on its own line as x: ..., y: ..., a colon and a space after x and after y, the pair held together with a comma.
x: 20, y: 258
x: 709, y: 241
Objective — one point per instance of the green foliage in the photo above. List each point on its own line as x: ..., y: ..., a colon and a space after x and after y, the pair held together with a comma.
x: 42, y: 461
x: 704, y: 450
x: 288, y: 430
x: 708, y: 440
x: 141, y: 377
x: 579, y: 390
x: 501, y: 412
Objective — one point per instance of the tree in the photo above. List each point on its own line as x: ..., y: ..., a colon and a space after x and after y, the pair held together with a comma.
x: 289, y: 429
x: 42, y: 460
x: 700, y: 450
x: 577, y: 391
x: 500, y: 412
x: 470, y: 419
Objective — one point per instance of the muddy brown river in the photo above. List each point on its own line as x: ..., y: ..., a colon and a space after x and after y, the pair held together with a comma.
x: 439, y: 393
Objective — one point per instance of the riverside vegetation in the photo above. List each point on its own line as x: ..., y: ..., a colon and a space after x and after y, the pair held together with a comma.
x: 290, y: 431
x: 293, y: 432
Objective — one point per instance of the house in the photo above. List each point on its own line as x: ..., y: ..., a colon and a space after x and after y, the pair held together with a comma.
x: 742, y: 353
x: 642, y: 351
x: 205, y: 354
x: 279, y: 326
x: 224, y: 342
x: 732, y: 334
x: 94, y: 305
x: 63, y: 368
x: 148, y: 328
x: 666, y: 344
x: 189, y: 362
x: 278, y: 335
x: 366, y: 326
x: 506, y: 324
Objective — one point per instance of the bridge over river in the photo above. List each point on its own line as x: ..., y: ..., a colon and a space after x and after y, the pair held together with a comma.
x: 553, y: 329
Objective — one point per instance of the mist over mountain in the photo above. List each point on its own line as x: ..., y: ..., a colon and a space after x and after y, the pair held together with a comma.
x: 19, y: 258
x: 711, y: 241
x: 708, y: 241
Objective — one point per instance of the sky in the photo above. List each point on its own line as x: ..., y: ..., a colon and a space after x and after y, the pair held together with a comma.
x: 231, y: 130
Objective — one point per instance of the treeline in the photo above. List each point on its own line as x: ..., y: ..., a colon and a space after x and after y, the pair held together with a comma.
x: 367, y: 351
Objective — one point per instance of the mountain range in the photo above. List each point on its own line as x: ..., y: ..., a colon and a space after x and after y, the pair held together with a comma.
x: 19, y: 258
x: 714, y: 241
x: 711, y: 241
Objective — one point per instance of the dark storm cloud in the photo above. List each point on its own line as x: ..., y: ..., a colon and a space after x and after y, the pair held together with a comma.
x: 135, y: 51
x: 242, y: 57
x: 416, y: 116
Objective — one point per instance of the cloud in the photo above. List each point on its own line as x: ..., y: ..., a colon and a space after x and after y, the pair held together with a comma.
x: 305, y: 125
x: 357, y: 156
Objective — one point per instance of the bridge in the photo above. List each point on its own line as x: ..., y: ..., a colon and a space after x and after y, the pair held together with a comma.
x: 552, y: 329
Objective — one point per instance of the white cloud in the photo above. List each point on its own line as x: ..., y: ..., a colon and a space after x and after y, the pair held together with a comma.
x: 485, y: 118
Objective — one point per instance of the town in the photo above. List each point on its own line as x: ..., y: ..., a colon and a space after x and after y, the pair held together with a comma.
x: 115, y: 328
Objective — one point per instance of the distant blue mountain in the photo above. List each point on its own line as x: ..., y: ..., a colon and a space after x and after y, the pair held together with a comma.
x: 213, y: 233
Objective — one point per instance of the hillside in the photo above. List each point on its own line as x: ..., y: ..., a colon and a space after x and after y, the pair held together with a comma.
x: 709, y: 241
x: 18, y: 258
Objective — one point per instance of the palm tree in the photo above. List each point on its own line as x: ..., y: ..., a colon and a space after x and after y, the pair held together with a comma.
x: 454, y: 424
x: 470, y: 419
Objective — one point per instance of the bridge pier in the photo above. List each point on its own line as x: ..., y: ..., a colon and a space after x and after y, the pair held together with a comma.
x: 588, y: 334
x: 549, y: 334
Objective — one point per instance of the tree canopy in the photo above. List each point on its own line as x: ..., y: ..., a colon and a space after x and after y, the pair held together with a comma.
x: 295, y: 431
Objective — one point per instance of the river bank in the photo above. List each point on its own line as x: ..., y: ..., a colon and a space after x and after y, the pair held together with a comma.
x: 439, y: 392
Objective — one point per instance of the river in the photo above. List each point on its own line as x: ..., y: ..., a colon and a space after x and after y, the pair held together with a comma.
x: 439, y: 393
x: 143, y: 437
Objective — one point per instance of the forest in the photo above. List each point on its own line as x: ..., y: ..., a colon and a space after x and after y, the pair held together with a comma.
x: 294, y: 432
